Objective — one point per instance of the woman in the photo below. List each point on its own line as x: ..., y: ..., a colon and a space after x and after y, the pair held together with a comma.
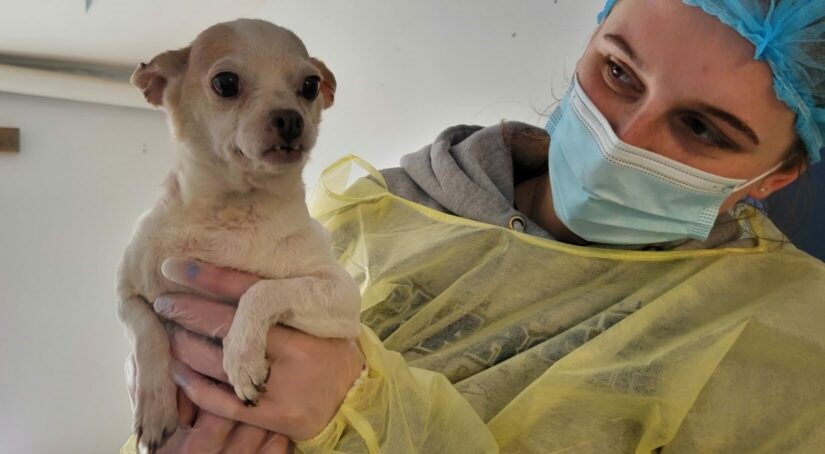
x: 656, y: 313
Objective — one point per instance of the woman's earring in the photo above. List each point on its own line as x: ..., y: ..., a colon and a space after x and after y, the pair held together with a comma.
x: 763, y: 189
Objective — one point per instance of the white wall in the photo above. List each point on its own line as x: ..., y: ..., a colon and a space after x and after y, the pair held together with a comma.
x: 68, y: 201
x: 67, y: 204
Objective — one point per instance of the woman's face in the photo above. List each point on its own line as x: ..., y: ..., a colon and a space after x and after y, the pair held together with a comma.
x: 676, y: 81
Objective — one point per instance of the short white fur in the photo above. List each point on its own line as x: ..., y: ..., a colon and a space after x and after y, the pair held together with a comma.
x: 227, y: 204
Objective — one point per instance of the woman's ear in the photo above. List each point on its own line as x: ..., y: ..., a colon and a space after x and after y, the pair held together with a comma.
x: 328, y: 83
x: 775, y: 182
x: 152, y: 78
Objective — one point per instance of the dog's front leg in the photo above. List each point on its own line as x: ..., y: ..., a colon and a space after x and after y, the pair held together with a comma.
x: 155, y: 400
x: 324, y: 306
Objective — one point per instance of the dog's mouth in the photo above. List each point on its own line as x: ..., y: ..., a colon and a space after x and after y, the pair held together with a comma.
x: 276, y: 154
x: 280, y: 154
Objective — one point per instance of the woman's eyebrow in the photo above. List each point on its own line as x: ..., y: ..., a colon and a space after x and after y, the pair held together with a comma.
x: 722, y: 115
x: 732, y: 120
x: 622, y: 44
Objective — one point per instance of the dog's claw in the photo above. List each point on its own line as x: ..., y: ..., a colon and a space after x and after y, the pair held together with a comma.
x: 246, y: 369
x: 260, y: 387
x: 155, y: 445
x: 155, y: 414
x: 215, y: 341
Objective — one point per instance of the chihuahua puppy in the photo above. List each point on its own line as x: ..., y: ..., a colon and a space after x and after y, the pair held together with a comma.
x: 244, y: 104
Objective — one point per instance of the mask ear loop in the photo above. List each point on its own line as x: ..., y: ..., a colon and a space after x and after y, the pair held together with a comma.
x: 754, y: 180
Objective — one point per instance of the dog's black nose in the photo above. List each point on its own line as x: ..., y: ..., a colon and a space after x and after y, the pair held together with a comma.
x: 288, y: 122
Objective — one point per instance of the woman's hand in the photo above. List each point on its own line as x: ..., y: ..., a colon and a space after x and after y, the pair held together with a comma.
x: 309, y: 376
x: 202, y: 432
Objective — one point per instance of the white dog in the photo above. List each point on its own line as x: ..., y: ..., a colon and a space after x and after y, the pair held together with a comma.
x: 244, y: 104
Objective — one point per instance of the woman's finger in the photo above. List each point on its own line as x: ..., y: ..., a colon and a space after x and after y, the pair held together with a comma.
x: 218, y: 398
x: 208, y: 435
x: 200, y: 315
x: 187, y: 411
x: 212, y: 319
x: 214, y: 397
x: 276, y: 443
x: 211, y: 433
x: 223, y: 283
x: 201, y: 355
x: 245, y: 439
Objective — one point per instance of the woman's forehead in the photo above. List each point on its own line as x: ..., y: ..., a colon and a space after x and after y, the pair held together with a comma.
x: 680, y: 37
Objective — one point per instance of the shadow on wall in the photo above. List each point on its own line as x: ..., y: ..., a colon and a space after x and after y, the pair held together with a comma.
x: 799, y: 211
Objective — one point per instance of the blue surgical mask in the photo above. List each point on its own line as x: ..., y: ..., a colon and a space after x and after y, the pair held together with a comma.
x: 607, y: 191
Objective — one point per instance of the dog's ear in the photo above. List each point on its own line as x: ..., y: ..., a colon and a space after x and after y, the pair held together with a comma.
x: 328, y: 83
x: 152, y: 78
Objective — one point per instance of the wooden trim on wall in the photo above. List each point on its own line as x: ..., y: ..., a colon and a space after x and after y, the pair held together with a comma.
x: 65, y: 85
x: 10, y: 139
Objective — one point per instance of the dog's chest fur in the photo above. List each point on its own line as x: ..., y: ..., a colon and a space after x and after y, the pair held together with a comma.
x: 270, y: 242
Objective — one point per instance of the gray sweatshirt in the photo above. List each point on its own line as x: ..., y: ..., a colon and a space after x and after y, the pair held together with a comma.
x: 470, y: 171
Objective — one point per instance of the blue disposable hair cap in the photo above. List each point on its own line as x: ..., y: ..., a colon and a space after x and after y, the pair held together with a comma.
x: 790, y: 36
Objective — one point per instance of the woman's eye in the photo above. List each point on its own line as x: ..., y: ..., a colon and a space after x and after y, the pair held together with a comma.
x: 705, y: 133
x: 311, y: 87
x: 226, y: 84
x: 619, y: 73
x: 621, y: 79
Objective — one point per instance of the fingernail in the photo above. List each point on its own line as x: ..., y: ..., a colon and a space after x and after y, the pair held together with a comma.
x: 192, y: 270
x: 163, y: 305
x: 180, y: 374
x: 180, y: 270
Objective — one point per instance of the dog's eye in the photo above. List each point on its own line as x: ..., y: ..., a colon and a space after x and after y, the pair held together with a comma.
x: 225, y: 84
x: 312, y: 85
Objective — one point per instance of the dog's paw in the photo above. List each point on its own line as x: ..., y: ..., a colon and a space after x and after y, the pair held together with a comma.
x: 247, y: 369
x: 156, y: 414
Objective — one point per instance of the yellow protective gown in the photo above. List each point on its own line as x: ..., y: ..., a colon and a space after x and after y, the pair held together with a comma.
x: 558, y: 348
x: 563, y: 348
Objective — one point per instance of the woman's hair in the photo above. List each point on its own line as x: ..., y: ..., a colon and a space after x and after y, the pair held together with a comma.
x: 796, y: 158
